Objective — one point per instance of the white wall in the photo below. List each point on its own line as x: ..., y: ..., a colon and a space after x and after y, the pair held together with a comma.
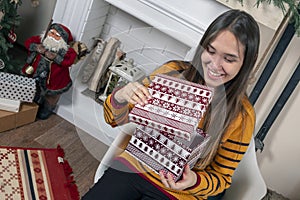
x: 34, y: 20
x: 279, y: 161
x: 84, y: 18
x: 148, y: 46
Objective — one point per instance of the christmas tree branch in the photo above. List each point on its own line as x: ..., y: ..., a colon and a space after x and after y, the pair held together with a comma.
x: 293, y: 10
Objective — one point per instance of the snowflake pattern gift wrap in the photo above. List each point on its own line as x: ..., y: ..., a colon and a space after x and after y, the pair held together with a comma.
x: 162, y: 151
x: 16, y: 87
x: 167, y: 137
x: 176, y: 106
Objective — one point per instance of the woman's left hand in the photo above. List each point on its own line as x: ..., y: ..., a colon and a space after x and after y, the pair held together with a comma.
x: 189, y: 179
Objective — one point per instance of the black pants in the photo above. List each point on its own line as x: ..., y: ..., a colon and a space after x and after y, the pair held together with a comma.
x: 217, y: 197
x: 119, y: 184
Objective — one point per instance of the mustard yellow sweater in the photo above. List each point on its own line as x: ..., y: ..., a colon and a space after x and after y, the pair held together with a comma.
x: 214, y: 178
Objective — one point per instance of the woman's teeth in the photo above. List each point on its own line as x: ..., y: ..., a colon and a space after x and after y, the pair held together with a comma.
x: 214, y: 73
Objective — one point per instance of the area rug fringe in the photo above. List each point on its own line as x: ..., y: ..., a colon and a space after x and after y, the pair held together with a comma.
x: 36, y: 173
x: 71, y: 184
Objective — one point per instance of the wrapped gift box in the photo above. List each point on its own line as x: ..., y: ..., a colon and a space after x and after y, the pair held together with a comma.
x: 176, y: 107
x: 162, y: 151
x: 17, y: 87
x: 10, y: 105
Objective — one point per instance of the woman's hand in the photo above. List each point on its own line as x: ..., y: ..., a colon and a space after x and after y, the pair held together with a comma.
x: 189, y: 179
x: 134, y: 93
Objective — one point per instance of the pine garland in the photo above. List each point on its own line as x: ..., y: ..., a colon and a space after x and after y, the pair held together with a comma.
x: 293, y: 10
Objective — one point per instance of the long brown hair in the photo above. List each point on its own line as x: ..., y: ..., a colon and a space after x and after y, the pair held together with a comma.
x: 228, y: 97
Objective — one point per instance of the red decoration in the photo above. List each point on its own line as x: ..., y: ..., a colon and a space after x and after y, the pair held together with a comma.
x: 12, y: 36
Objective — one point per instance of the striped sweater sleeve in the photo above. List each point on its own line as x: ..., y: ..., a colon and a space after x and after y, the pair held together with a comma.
x: 217, y: 176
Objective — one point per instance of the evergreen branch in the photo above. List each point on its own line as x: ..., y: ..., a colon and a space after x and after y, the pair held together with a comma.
x: 9, y: 21
x: 293, y: 10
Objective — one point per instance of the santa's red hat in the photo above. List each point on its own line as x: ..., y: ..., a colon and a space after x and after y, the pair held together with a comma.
x: 64, y: 32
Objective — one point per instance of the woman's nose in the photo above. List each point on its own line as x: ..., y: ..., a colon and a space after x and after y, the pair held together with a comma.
x: 217, y: 62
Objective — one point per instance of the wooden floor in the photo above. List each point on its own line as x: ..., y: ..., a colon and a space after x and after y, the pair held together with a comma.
x: 81, y: 150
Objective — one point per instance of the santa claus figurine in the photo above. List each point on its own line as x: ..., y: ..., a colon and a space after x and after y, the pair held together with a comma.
x: 48, y: 62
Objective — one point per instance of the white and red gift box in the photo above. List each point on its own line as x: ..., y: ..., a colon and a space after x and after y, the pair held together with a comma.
x: 176, y: 106
x: 162, y: 151
x: 167, y: 137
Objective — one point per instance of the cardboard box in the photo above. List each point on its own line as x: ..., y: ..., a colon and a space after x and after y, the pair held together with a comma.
x: 26, y: 115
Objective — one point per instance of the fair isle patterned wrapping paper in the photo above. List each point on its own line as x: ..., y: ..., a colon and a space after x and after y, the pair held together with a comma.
x: 176, y: 106
x: 162, y: 151
x: 167, y: 137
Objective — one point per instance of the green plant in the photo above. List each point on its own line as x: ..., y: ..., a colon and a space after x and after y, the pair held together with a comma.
x: 293, y: 9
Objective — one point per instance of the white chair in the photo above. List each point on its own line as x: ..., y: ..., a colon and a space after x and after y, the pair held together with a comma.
x: 247, y: 182
x: 114, y: 149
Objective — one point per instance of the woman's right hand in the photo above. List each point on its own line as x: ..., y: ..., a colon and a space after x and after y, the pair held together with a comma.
x: 134, y: 93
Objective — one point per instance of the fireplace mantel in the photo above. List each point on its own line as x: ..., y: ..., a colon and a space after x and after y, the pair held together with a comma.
x: 184, y: 21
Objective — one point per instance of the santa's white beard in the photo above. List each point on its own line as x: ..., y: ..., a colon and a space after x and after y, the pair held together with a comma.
x: 51, y: 44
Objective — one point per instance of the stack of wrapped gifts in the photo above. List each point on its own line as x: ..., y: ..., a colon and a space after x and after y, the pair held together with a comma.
x: 16, y: 101
x: 167, y: 136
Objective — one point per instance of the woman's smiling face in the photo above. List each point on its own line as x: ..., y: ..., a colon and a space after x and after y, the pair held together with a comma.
x: 222, y: 59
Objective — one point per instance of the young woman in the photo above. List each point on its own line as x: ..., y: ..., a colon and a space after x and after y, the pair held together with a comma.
x: 223, y: 60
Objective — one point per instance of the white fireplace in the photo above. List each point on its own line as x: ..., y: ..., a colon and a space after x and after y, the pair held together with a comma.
x: 151, y: 32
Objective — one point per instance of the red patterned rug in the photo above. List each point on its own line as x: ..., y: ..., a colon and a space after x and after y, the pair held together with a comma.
x: 35, y: 174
